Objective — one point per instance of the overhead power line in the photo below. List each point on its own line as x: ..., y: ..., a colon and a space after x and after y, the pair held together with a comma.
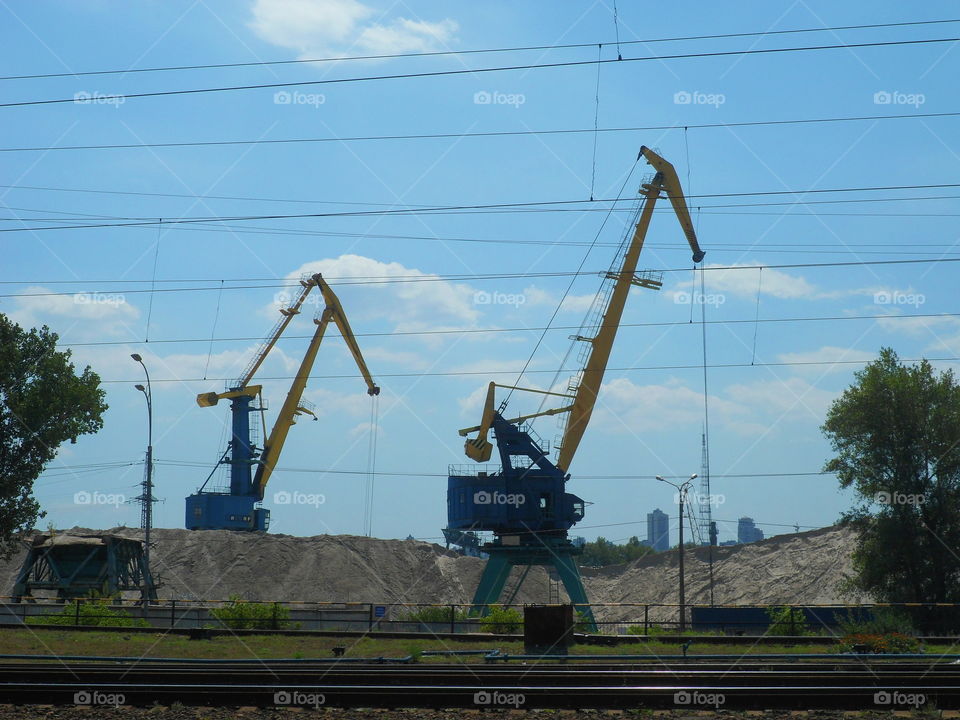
x: 410, y: 473
x: 487, y: 331
x: 486, y: 70
x: 389, y: 280
x: 443, y: 209
x: 470, y: 373
x: 466, y: 135
x: 524, y: 48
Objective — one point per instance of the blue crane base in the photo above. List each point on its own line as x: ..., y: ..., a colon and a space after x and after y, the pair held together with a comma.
x: 223, y: 511
x: 558, y: 553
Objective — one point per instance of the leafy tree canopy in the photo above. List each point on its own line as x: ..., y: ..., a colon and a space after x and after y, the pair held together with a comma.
x: 43, y: 403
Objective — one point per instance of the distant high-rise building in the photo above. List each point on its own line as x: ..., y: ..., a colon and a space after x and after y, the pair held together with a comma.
x: 747, y: 531
x: 658, y: 530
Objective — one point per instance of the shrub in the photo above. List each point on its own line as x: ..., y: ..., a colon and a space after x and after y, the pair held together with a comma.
x: 242, y: 615
x: 786, y: 620
x: 501, y: 620
x: 92, y: 611
x: 880, y: 643
x: 885, y: 630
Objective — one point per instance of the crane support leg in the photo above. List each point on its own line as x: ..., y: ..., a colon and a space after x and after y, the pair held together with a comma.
x: 558, y: 554
x: 494, y: 577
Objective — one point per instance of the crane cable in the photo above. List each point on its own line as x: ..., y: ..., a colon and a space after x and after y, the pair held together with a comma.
x: 569, y: 287
x: 371, y: 466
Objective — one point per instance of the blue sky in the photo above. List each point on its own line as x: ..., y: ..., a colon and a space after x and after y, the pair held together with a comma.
x: 115, y: 290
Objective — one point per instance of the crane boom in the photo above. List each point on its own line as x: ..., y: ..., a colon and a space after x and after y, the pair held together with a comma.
x: 292, y: 406
x: 665, y: 180
x: 241, y: 385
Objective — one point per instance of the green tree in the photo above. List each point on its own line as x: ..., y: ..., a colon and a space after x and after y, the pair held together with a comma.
x: 603, y: 552
x: 43, y: 403
x: 896, y: 434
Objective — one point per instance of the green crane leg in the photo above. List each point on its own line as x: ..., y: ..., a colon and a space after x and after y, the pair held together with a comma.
x: 570, y: 575
x: 494, y: 577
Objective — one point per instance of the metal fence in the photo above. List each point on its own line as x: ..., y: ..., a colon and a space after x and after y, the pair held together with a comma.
x: 650, y: 619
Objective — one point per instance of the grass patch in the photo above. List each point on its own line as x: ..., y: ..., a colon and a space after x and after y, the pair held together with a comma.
x: 151, y: 645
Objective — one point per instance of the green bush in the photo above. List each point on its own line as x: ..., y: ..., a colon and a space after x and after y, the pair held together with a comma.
x: 242, y: 615
x: 885, y: 631
x: 501, y: 620
x: 92, y: 611
x: 786, y: 620
x: 880, y: 621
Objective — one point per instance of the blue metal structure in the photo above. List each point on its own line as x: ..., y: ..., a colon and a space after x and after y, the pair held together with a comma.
x: 526, y: 506
x: 524, y: 503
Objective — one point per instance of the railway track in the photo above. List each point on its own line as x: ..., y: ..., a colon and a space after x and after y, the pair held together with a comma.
x: 855, y: 683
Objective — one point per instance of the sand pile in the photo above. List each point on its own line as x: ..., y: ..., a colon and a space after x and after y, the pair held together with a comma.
x: 215, y: 564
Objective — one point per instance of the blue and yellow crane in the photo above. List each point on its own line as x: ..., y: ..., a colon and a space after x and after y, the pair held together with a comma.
x: 250, y: 467
x: 524, y: 503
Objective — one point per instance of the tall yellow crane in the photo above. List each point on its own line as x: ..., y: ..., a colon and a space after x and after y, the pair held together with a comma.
x: 236, y: 509
x: 524, y: 503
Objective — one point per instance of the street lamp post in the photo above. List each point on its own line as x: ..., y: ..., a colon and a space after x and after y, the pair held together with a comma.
x: 146, y: 516
x: 682, y: 490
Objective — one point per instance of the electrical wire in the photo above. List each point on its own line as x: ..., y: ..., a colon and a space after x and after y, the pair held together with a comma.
x: 390, y: 280
x: 485, y: 70
x: 442, y: 209
x: 469, y: 135
x: 636, y: 368
x: 410, y: 473
x: 522, y: 48
x: 475, y: 331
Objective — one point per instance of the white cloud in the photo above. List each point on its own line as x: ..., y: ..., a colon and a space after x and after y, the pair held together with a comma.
x: 571, y: 303
x: 744, y: 283
x: 827, y: 354
x: 332, y: 28
x: 77, y: 316
x: 626, y: 407
x: 422, y: 301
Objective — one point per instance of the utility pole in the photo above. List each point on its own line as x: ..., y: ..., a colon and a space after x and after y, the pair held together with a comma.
x: 682, y: 490
x: 147, y: 499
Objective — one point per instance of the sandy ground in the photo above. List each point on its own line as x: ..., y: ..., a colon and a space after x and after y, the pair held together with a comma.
x: 215, y: 564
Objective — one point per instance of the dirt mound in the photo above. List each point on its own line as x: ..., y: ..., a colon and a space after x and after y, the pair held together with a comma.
x: 215, y: 564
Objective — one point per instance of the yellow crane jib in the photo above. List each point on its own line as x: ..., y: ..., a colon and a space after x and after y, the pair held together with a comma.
x: 293, y: 404
x: 480, y: 449
x: 664, y: 181
x: 240, y: 387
